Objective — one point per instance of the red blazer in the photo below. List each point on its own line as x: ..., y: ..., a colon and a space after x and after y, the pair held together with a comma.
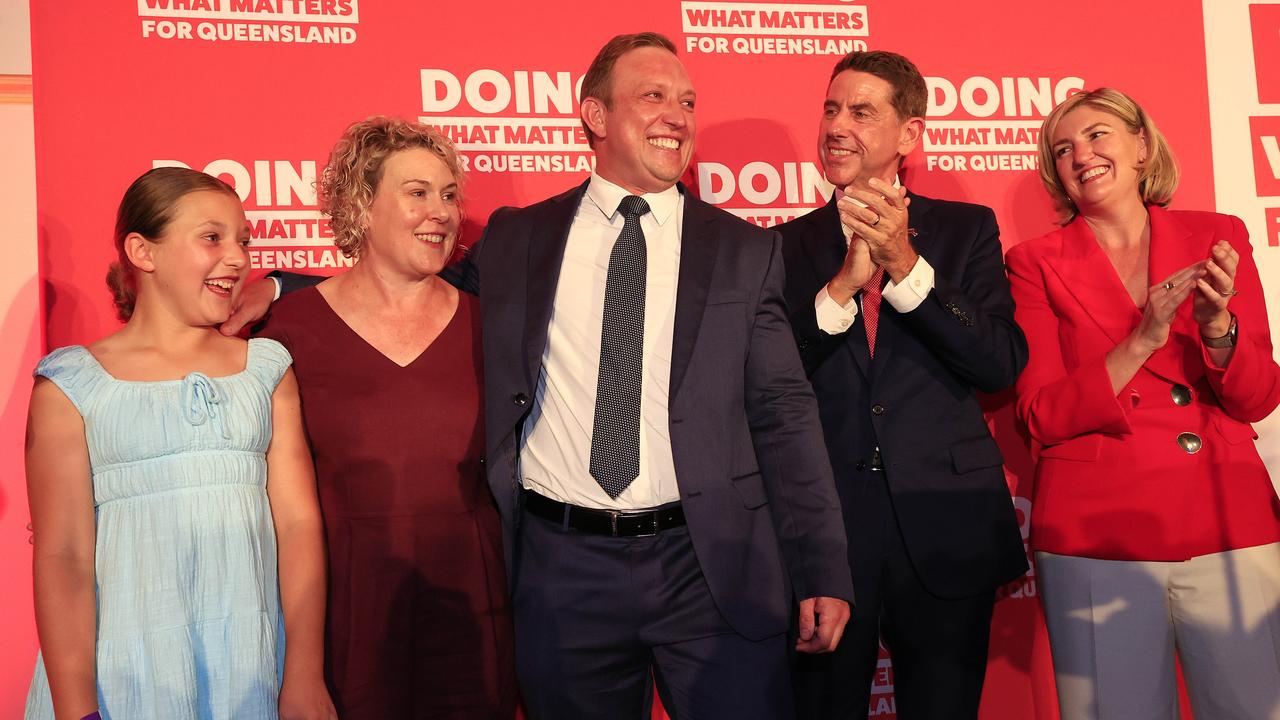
x: 1112, y: 480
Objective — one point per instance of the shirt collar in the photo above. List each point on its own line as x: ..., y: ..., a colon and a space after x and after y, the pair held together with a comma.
x: 606, y: 196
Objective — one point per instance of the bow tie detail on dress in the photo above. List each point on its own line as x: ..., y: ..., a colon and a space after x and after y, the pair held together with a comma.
x: 200, y: 401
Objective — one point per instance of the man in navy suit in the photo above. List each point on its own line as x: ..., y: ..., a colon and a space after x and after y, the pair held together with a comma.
x: 901, y: 310
x: 652, y: 442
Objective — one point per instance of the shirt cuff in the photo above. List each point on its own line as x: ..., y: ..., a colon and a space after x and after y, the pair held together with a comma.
x: 279, y: 284
x: 834, y: 318
x: 914, y: 288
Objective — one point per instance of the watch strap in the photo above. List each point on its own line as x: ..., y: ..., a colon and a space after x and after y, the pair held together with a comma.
x: 1224, y: 341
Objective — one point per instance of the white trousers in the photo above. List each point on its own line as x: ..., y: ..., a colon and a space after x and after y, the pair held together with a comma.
x: 1114, y: 627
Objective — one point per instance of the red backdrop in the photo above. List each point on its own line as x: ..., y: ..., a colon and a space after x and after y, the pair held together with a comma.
x: 257, y: 90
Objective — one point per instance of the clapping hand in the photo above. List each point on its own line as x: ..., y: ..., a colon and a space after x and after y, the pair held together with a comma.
x: 1216, y: 288
x: 1163, y: 301
x: 882, y: 225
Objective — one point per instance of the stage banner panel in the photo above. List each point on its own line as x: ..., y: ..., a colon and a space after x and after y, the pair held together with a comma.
x: 1242, y: 46
x: 256, y: 92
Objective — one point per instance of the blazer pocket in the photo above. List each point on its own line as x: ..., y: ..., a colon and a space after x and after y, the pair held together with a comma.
x: 726, y: 297
x: 751, y: 489
x: 1234, y: 431
x: 975, y: 454
x: 1082, y: 449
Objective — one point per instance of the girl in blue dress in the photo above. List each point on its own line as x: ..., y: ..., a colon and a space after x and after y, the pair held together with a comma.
x: 168, y: 477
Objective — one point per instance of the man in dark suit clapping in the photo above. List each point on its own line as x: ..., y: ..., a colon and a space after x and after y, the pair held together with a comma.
x: 901, y: 311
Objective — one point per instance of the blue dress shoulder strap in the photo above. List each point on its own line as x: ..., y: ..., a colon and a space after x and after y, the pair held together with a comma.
x: 75, y: 371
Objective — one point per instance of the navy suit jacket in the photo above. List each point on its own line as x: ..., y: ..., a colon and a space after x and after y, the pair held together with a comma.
x: 755, y: 482
x: 915, y: 400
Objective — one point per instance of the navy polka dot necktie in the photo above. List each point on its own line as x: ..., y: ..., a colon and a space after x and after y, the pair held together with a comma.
x: 615, y: 435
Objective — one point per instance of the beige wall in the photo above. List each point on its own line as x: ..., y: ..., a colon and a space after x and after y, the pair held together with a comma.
x: 21, y: 343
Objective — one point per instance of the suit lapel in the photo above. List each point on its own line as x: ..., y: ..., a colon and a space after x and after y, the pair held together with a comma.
x: 825, y: 247
x: 699, y: 245
x: 546, y: 252
x: 824, y: 244
x: 1089, y: 276
x: 1173, y: 247
x: 921, y: 234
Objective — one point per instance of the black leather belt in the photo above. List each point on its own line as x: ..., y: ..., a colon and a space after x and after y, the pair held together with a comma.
x: 614, y: 523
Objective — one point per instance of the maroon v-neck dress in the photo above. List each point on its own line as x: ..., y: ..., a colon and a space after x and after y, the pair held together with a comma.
x: 419, y: 623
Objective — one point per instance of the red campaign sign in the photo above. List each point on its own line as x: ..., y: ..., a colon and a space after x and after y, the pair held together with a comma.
x: 1273, y: 227
x: 257, y: 91
x: 1264, y: 21
x: 1265, y: 139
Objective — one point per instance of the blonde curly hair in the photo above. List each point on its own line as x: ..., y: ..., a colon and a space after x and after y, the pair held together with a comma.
x: 350, y: 178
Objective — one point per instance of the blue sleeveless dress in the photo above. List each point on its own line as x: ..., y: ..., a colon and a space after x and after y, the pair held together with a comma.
x: 189, y: 621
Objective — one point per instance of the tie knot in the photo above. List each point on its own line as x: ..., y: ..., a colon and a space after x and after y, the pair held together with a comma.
x: 633, y: 206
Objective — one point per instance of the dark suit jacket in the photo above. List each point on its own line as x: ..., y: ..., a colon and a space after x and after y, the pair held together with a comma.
x: 915, y: 400
x: 754, y: 478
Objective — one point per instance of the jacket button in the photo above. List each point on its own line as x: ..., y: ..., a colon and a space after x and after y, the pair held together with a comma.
x: 803, y: 344
x: 1181, y: 395
x: 520, y: 399
x: 1190, y: 442
x: 860, y: 466
x: 877, y: 409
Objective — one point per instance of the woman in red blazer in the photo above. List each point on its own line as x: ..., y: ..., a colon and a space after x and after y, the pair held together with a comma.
x: 1155, y: 523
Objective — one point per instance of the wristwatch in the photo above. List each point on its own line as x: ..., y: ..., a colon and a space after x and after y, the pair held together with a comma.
x: 1226, y: 341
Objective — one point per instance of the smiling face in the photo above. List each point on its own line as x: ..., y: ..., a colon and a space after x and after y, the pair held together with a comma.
x: 861, y: 136
x: 199, y: 263
x: 1097, y: 158
x: 411, y: 226
x: 644, y: 141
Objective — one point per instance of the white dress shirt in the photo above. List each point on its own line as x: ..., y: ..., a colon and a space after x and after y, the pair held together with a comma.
x: 834, y: 318
x: 555, y: 456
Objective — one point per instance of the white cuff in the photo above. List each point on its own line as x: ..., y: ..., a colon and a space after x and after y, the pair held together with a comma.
x: 914, y: 288
x: 834, y: 318
x: 279, y: 284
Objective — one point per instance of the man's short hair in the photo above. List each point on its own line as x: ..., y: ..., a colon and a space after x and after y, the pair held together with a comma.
x: 910, y: 94
x: 598, y: 82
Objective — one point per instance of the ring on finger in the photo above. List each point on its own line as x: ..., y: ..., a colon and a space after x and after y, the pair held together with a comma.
x: 876, y: 222
x: 1167, y: 286
x: 1228, y: 293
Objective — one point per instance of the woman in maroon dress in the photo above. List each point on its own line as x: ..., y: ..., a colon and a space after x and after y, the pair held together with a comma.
x: 388, y: 362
